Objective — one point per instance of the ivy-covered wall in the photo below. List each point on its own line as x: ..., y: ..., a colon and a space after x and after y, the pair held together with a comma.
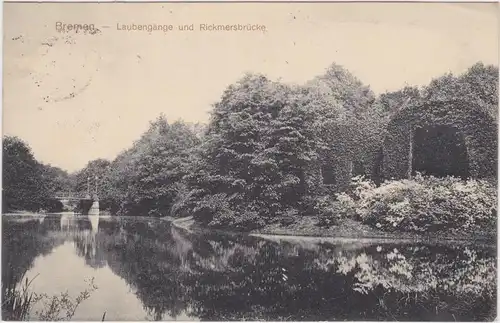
x: 336, y: 169
x: 472, y: 121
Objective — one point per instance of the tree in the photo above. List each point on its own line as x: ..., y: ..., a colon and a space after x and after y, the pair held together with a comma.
x: 479, y: 85
x: 259, y: 160
x: 89, y: 179
x: 58, y: 181
x: 23, y: 185
x: 350, y: 125
x: 389, y: 103
x: 338, y: 83
x: 146, y: 179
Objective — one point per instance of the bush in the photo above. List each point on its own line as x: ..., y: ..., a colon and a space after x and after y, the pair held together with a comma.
x: 422, y: 204
x: 330, y: 211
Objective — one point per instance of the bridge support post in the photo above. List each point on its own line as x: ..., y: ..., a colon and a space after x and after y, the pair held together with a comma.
x: 94, y: 209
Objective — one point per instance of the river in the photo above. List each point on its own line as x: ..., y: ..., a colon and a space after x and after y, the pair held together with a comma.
x: 147, y: 269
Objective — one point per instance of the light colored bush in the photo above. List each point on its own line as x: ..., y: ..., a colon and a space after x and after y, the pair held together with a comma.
x: 422, y: 204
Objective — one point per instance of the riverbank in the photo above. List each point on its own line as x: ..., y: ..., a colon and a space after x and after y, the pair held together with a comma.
x: 25, y: 214
x: 186, y: 223
x: 346, y: 229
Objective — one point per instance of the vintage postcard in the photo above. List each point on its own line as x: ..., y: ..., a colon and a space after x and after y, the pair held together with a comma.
x: 250, y: 161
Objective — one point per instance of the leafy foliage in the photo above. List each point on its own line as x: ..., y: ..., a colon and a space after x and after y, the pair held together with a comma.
x: 259, y: 161
x: 272, y: 152
x: 471, y: 122
x: 146, y: 179
x: 27, y: 184
x: 424, y: 204
x: 478, y: 85
x: 467, y: 103
x: 348, y: 124
x: 88, y: 181
x: 355, y: 97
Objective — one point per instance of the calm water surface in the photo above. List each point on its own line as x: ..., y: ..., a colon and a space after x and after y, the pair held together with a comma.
x: 145, y: 269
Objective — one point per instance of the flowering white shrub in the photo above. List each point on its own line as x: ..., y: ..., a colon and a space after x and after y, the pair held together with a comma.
x: 422, y: 204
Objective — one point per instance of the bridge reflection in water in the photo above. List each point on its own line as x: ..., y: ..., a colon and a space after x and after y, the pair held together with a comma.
x: 83, y: 231
x: 72, y: 222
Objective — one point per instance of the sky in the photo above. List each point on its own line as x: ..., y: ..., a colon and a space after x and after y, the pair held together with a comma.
x: 75, y: 97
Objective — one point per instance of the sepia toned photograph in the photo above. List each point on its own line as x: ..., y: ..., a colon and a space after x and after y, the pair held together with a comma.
x: 249, y: 161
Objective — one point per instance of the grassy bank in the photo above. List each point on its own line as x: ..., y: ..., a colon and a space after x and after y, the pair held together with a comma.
x: 348, y: 228
x: 422, y: 208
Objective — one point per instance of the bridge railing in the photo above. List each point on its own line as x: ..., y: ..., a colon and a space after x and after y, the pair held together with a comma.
x: 73, y: 198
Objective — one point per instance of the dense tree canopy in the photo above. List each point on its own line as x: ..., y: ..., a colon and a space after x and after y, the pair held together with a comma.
x: 478, y: 85
x: 145, y: 179
x: 353, y: 136
x: 259, y: 161
x: 22, y: 182
x: 340, y: 85
x: 263, y: 157
x: 59, y: 182
x: 27, y: 184
x: 88, y: 181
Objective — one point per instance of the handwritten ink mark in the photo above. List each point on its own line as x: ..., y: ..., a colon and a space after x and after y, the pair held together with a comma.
x: 74, y: 94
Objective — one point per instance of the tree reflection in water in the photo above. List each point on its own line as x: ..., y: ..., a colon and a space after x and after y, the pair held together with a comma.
x: 212, y: 276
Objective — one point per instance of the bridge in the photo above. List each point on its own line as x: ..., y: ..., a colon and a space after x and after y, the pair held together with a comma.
x: 68, y: 199
x: 68, y: 203
x: 72, y: 202
x: 72, y: 198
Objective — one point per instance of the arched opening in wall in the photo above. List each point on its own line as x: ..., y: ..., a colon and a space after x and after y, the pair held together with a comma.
x: 328, y: 174
x: 358, y: 168
x: 439, y: 151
